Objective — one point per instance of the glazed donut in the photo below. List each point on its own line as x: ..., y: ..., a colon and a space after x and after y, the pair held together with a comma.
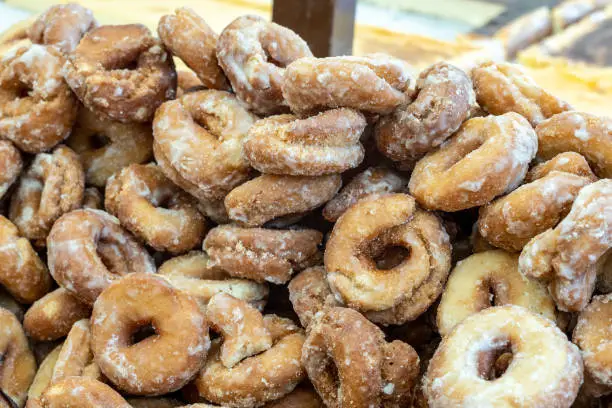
x: 106, y: 253
x: 42, y: 379
x: 100, y: 72
x: 52, y: 185
x: 253, y: 54
x: 502, y: 87
x: 326, y: 143
x: 22, y: 273
x: 161, y: 363
x: 262, y: 254
x: 567, y: 162
x: 93, y: 199
x: 187, y: 36
x: 155, y: 210
x: 52, y: 316
x: 485, y: 158
x: 369, y: 372
x: 398, y: 292
x: 10, y: 166
x: 444, y: 100
x: 260, y: 378
x: 106, y: 146
x: 75, y: 354
x: 567, y: 256
x: 199, y: 142
x: 270, y: 196
x: 81, y: 392
x: 37, y: 108
x: 374, y: 180
x: 546, y: 369
x: 376, y: 83
x: 310, y: 294
x: 62, y: 25
x: 578, y: 132
x: 488, y: 279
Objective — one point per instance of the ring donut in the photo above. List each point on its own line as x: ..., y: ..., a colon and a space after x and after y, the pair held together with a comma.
x: 62, y: 25
x: 567, y: 162
x: 10, y: 166
x: 75, y: 355
x: 81, y: 392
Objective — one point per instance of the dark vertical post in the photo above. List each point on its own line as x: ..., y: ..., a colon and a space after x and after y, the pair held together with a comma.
x: 326, y: 25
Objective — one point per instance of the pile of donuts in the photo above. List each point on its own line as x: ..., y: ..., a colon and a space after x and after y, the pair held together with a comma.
x: 263, y: 228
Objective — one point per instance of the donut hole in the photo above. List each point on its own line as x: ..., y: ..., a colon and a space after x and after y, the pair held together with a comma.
x: 142, y: 331
x: 162, y: 199
x: 98, y: 141
x: 494, y: 362
x: 390, y: 257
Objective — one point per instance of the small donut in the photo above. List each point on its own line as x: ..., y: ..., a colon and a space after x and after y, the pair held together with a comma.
x: 488, y: 279
x: 37, y: 108
x: 75, y: 354
x: 10, y: 166
x: 199, y: 142
x: 262, y: 254
x: 546, y: 369
x: 376, y: 83
x: 444, y: 100
x: 567, y: 162
x: 270, y: 196
x: 81, y: 392
x: 22, y: 273
x: 502, y: 87
x: 93, y: 199
x: 578, y: 132
x: 62, y: 25
x: 155, y: 210
x: 485, y: 158
x: 300, y: 397
x: 310, y: 294
x: 326, y: 143
x: 42, y: 379
x: 162, y: 362
x: 187, y: 36
x: 351, y: 365
x: 106, y: 146
x: 52, y: 185
x: 253, y: 53
x: 52, y: 316
x: 105, y: 251
x: 122, y: 72
x: 260, y: 378
x: 567, y: 256
x: 374, y: 180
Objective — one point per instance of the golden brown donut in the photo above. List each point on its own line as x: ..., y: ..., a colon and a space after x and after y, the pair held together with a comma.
x: 52, y: 185
x: 351, y: 365
x: 487, y: 157
x: 81, y: 392
x: 106, y: 146
x: 270, y: 196
x: 92, y: 198
x: 122, y: 72
x: 10, y: 166
x: 187, y: 36
x: 37, y: 108
x: 154, y: 209
x: 568, y: 162
x: 262, y: 254
x: 253, y: 54
x: 161, y: 363
x: 310, y: 294
x: 62, y: 25
x: 105, y: 251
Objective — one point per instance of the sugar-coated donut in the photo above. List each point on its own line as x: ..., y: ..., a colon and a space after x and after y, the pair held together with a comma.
x: 62, y: 25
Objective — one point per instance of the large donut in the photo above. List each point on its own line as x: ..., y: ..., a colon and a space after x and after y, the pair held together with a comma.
x: 10, y: 166
x: 101, y: 75
x: 81, y: 392
x: 161, y: 363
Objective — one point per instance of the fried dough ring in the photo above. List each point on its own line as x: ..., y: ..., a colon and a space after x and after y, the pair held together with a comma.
x: 62, y: 25
x: 81, y: 392
x: 10, y: 166
x: 567, y: 162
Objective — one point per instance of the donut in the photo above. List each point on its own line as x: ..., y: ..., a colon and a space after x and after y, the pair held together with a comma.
x: 42, y: 379
x: 81, y: 392
x: 310, y: 294
x: 253, y: 53
x: 578, y: 132
x: 326, y: 143
x: 350, y: 364
x: 546, y: 369
x: 10, y: 166
x: 162, y: 362
x: 487, y: 157
x: 75, y: 354
x: 444, y: 100
x: 270, y: 196
x: 567, y: 256
x: 199, y: 142
x: 376, y: 84
x: 105, y: 251
x: 37, y: 108
x: 262, y: 254
x: 502, y: 87
x: 567, y: 162
x: 121, y: 72
x: 52, y: 185
x: 106, y: 146
x: 257, y: 379
x: 486, y: 279
x: 93, y: 199
x: 186, y: 35
x: 62, y: 25
x: 22, y: 273
x: 155, y: 210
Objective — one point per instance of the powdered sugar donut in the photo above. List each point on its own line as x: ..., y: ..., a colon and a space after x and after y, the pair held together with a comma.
x: 62, y: 25
x: 10, y: 166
